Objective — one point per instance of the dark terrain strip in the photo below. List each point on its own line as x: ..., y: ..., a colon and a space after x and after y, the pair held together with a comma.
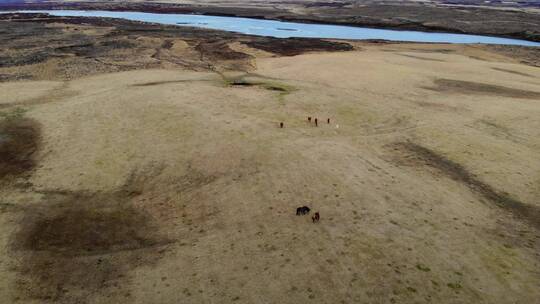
x: 460, y: 174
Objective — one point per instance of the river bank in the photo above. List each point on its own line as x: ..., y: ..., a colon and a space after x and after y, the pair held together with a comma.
x: 280, y: 29
x: 519, y: 24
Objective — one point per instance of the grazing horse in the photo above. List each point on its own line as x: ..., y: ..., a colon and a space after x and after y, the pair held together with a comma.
x: 316, y: 217
x: 328, y: 120
x: 309, y: 118
x: 281, y: 124
x: 302, y: 210
x: 316, y: 122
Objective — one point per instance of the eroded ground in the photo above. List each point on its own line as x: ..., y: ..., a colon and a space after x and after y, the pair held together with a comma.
x: 145, y: 164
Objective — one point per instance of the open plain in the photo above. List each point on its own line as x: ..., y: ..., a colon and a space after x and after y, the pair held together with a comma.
x: 145, y: 164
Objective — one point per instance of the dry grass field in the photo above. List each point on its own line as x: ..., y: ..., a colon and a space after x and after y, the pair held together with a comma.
x: 170, y: 181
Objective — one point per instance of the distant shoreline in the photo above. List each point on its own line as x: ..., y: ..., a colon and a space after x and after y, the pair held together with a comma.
x: 282, y: 15
x: 278, y: 29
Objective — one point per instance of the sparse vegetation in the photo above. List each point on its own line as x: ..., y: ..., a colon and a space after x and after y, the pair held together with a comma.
x: 455, y: 286
x: 422, y: 268
x: 12, y: 113
x: 19, y: 140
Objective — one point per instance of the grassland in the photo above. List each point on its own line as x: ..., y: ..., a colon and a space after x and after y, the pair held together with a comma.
x: 145, y: 164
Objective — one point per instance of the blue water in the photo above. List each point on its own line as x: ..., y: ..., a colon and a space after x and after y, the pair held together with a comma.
x: 290, y: 29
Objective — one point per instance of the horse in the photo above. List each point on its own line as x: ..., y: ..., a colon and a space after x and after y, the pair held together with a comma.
x: 316, y: 217
x: 302, y: 210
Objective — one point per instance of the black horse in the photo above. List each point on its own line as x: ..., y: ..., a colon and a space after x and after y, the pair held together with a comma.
x: 302, y: 210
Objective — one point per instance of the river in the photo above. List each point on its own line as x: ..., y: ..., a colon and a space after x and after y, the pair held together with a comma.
x: 282, y: 29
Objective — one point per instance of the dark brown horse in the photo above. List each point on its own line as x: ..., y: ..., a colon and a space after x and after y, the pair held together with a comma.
x: 316, y: 217
x: 302, y: 210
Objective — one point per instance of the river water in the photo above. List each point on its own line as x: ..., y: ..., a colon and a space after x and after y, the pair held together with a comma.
x: 281, y: 29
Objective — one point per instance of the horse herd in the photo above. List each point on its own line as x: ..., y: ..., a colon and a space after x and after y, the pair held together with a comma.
x: 316, y: 120
x: 305, y: 210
